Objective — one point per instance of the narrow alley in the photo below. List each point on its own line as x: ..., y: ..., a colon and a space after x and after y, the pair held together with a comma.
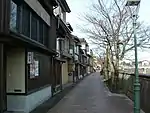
x: 91, y: 96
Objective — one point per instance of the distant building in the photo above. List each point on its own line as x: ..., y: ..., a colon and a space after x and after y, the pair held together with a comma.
x: 129, y: 66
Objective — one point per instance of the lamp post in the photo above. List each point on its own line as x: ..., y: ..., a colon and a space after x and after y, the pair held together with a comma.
x: 135, y: 3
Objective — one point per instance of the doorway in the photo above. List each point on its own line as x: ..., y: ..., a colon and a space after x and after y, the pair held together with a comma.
x: 57, y: 77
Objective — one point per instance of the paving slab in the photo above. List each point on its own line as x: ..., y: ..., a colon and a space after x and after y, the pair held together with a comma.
x: 91, y: 96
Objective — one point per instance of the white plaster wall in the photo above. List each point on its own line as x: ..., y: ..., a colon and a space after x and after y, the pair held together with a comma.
x: 58, y: 11
x: 25, y: 104
x: 16, y: 70
x: 37, y: 7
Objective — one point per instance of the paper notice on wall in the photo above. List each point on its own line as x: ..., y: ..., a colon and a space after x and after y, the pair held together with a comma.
x: 32, y: 71
x: 30, y: 57
x: 36, y: 63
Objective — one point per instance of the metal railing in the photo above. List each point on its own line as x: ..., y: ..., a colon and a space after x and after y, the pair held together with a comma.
x: 125, y: 85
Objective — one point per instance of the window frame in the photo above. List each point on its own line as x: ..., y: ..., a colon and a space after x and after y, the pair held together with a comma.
x: 33, y: 26
x: 16, y: 16
x: 19, y: 25
x: 25, y: 7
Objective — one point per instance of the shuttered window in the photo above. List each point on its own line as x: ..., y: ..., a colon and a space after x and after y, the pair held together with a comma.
x: 31, y: 25
x: 46, y: 34
x: 25, y: 21
x: 34, y: 28
x: 41, y: 40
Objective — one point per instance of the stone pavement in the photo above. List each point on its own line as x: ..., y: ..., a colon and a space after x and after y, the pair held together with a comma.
x: 91, y: 96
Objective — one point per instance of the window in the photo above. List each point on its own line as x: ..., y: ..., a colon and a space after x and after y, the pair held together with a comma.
x: 66, y: 45
x: 71, y: 47
x: 46, y: 34
x: 62, y: 45
x: 34, y: 28
x: 76, y: 57
x: 58, y: 45
x: 13, y: 16
x: 41, y: 40
x: 77, y: 49
x: 26, y: 21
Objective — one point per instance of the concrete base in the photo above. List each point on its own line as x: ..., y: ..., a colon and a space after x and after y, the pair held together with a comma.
x: 26, y: 103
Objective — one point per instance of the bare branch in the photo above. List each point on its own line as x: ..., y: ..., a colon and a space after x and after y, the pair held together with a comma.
x: 110, y: 25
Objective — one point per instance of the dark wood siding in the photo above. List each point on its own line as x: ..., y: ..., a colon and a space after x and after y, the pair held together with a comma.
x: 25, y: 23
x: 1, y: 77
x: 44, y: 78
x: 3, y: 96
x: 52, y: 36
x: 4, y: 15
x: 47, y: 5
x: 56, y: 76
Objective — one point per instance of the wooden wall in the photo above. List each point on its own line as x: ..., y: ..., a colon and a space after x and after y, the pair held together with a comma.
x: 44, y: 77
x: 4, y: 15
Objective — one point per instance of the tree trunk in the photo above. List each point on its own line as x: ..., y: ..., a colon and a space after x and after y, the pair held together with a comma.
x: 116, y: 80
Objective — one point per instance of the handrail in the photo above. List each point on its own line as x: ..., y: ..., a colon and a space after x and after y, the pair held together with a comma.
x: 140, y: 75
x: 125, y: 86
x: 132, y: 74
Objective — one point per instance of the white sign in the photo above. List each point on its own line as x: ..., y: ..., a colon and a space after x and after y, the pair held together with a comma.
x: 36, y: 64
x: 30, y: 57
x: 34, y: 69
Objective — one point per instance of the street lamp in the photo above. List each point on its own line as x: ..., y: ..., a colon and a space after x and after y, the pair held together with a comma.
x: 135, y: 3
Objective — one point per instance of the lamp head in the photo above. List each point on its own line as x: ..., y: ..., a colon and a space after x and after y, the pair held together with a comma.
x: 133, y: 2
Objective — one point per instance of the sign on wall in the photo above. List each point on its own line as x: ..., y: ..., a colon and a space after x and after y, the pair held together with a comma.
x: 34, y: 69
x: 33, y: 65
x: 30, y: 57
x: 36, y: 64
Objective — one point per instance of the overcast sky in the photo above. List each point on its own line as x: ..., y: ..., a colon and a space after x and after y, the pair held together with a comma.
x: 80, y: 6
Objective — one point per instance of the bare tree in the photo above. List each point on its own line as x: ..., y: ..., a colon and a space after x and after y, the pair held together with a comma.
x: 110, y: 25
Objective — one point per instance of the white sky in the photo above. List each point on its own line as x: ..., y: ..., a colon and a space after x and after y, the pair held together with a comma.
x: 78, y: 7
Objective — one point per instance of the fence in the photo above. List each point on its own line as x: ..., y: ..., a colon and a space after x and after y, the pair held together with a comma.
x: 126, y: 85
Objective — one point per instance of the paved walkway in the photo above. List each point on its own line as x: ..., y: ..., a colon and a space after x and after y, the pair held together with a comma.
x: 91, y: 96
